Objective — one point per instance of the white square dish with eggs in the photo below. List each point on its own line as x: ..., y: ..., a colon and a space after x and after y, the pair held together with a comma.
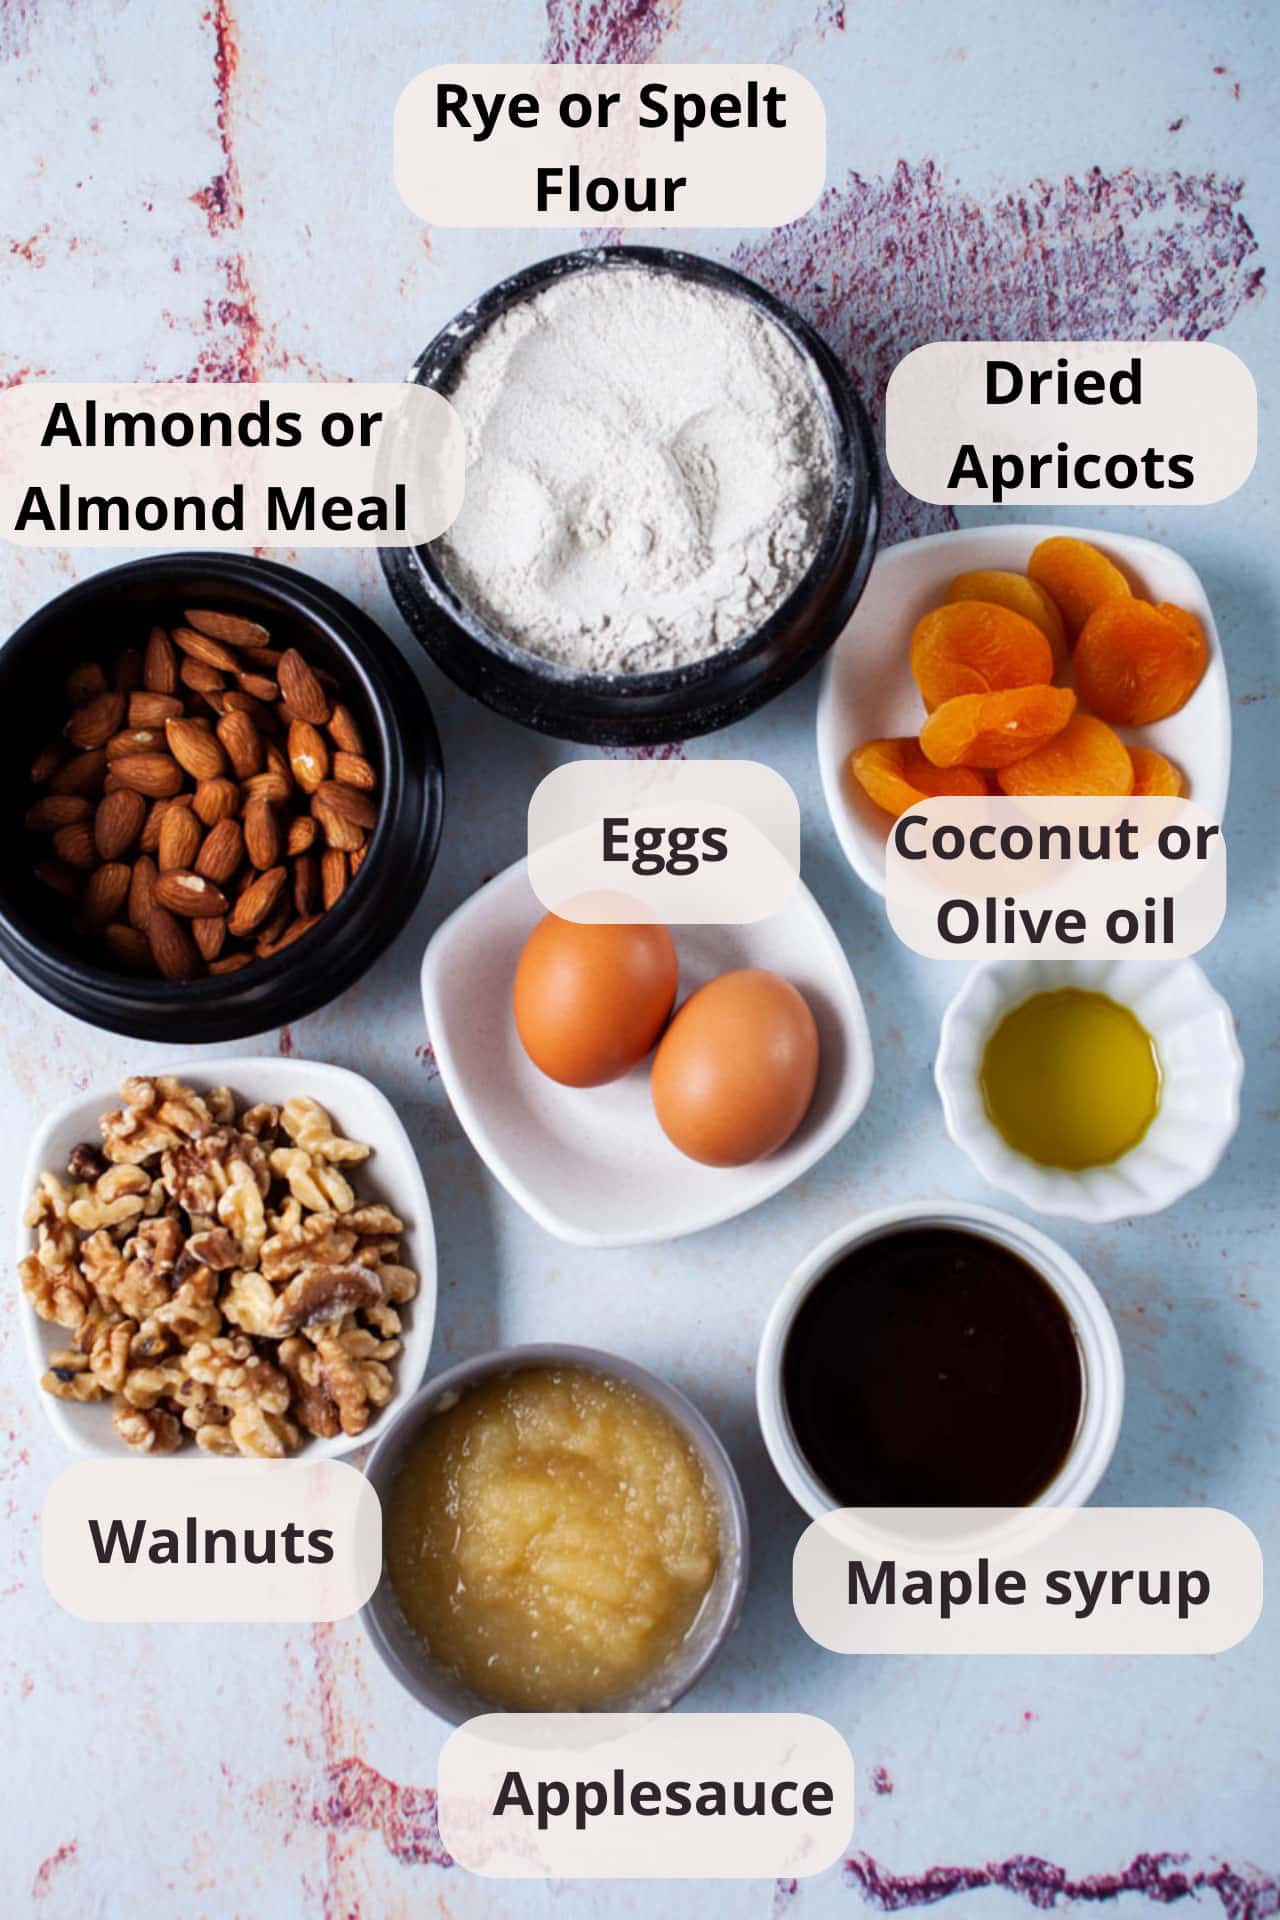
x: 592, y: 1165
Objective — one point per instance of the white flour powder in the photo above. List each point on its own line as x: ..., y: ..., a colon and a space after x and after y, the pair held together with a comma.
x: 649, y: 472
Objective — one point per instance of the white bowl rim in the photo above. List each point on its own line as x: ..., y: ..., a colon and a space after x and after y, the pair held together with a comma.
x: 1101, y: 1361
x: 201, y: 1072
x: 1058, y: 1191
x: 859, y: 1076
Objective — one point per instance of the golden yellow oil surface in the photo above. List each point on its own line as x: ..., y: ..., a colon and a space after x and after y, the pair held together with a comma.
x: 552, y: 1538
x: 1071, y: 1078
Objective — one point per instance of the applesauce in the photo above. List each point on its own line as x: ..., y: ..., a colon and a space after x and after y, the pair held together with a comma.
x: 552, y: 1537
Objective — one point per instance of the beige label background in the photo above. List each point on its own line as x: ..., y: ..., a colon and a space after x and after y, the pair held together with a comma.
x: 754, y: 805
x: 418, y: 443
x: 661, y: 1747
x: 234, y: 1494
x: 1036, y: 1541
x: 1197, y: 398
x: 736, y: 177
x: 916, y: 889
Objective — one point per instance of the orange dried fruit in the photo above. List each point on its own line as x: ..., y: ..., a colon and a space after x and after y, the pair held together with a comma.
x: 1153, y: 774
x: 973, y: 646
x: 1016, y: 591
x: 1077, y: 577
x: 1085, y: 758
x: 896, y: 775
x: 995, y: 729
x: 1135, y: 663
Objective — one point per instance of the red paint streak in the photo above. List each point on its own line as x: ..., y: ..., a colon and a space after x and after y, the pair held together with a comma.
x: 235, y: 350
x: 881, y: 1780
x: 30, y: 250
x: 286, y: 1041
x: 427, y: 1054
x: 883, y: 265
x: 603, y: 32
x: 352, y: 1795
x: 42, y: 1885
x: 17, y: 20
x: 1159, y: 1877
x: 670, y: 750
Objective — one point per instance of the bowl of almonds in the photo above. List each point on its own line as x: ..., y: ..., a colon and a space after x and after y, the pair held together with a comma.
x: 227, y: 790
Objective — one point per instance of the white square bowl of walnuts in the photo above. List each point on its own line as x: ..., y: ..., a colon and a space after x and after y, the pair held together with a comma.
x: 244, y: 1268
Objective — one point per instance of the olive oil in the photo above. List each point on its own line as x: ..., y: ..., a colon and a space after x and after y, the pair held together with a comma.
x: 1071, y: 1079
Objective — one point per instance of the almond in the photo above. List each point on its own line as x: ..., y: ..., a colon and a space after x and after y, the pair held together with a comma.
x: 232, y: 963
x: 346, y: 734
x: 126, y: 675
x: 358, y: 859
x: 333, y: 876
x: 153, y: 709
x: 128, y: 948
x: 83, y: 774
x: 275, y: 787
x: 259, y: 687
x: 352, y: 770
x: 349, y: 802
x: 263, y: 715
x: 141, y: 888
x: 85, y: 682
x: 210, y: 653
x: 74, y: 846
x: 60, y: 879
x: 215, y: 800
x: 136, y: 740
x: 306, y: 883
x: 199, y: 677
x: 261, y: 833
x: 105, y: 895
x: 270, y: 931
x: 48, y: 761
x: 261, y: 659
x: 256, y: 902
x: 308, y: 756
x: 194, y: 747
x: 150, y: 837
x: 210, y: 935
x: 155, y: 774
x: 301, y: 690
x: 231, y: 628
x: 303, y: 834
x: 295, y: 932
x: 57, y: 810
x: 93, y: 724
x: 179, y: 842
x: 339, y: 833
x: 243, y: 743
x: 160, y: 663
x: 118, y: 822
x: 188, y: 894
x: 172, y: 948
x: 221, y: 853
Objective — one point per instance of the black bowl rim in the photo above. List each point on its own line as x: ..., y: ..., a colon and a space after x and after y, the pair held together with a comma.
x: 226, y: 1006
x: 853, y: 518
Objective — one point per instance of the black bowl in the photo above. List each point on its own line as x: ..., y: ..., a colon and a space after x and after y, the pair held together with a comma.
x: 115, y: 609
x: 640, y: 709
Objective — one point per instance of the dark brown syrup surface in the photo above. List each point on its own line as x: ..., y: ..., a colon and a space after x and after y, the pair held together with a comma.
x: 932, y: 1367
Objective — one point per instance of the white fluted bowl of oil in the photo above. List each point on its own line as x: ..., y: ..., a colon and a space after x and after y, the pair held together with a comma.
x: 1094, y: 1089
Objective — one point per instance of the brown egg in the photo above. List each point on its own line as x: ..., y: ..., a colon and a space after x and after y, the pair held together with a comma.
x: 736, y: 1070
x: 590, y: 1001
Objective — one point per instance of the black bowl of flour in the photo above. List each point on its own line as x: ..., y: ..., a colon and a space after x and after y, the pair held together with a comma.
x: 477, y: 638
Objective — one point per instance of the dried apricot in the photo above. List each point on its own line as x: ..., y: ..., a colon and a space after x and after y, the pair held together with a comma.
x: 1086, y: 757
x: 1154, y: 774
x: 1024, y: 596
x: 1136, y: 663
x: 973, y: 646
x: 994, y: 729
x: 896, y: 775
x: 1077, y: 577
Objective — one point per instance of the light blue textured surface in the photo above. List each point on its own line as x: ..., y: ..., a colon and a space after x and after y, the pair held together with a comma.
x: 224, y: 1773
